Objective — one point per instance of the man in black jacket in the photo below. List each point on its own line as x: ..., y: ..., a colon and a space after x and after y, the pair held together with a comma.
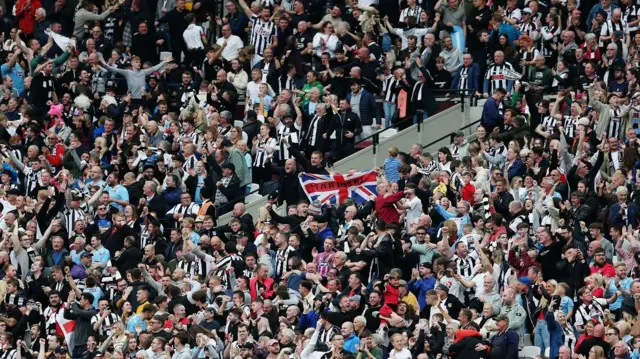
x: 347, y: 126
x: 289, y: 184
x: 229, y: 187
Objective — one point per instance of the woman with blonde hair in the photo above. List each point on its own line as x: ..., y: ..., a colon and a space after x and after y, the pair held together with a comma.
x: 596, y: 352
x: 235, y: 134
x: 595, y: 283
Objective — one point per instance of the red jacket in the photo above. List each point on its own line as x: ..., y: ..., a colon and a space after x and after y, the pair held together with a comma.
x: 385, y: 209
x: 27, y: 15
x: 253, y: 288
x: 467, y: 192
x: 55, y: 156
x: 607, y: 270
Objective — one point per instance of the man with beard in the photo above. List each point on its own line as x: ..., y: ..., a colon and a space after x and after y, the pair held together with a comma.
x: 267, y: 65
x: 55, y: 303
x: 619, y: 85
x: 118, y: 194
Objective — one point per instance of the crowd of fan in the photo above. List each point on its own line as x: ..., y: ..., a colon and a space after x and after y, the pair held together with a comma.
x: 121, y: 147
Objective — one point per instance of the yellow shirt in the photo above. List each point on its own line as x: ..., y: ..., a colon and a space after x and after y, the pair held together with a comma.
x: 140, y: 306
x: 411, y: 299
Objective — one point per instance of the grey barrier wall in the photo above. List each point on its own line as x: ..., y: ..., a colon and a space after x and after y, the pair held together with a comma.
x: 433, y: 131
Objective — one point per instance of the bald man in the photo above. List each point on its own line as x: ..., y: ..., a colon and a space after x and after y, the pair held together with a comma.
x: 596, y: 340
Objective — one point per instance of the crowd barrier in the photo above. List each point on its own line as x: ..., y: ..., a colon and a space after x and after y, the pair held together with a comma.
x: 433, y: 133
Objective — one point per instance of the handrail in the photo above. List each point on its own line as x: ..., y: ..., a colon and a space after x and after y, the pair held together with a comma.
x: 449, y: 134
x: 376, y: 136
x: 237, y: 199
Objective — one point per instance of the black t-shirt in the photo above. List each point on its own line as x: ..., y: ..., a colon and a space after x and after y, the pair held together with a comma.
x: 42, y: 89
x: 548, y: 257
x: 304, y: 17
x: 304, y: 39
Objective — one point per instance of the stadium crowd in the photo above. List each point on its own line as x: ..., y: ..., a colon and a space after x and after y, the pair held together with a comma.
x: 128, y: 127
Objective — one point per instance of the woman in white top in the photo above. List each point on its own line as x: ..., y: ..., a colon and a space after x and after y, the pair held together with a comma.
x: 238, y: 77
x: 325, y: 41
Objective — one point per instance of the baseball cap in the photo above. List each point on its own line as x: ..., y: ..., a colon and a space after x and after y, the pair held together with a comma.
x: 527, y: 10
x: 86, y: 254
x: 458, y: 133
x: 61, y: 350
x: 226, y: 143
x: 229, y: 165
x: 525, y: 280
x: 443, y: 288
x: 241, y: 234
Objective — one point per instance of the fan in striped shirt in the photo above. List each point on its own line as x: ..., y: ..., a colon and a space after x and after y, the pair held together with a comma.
x: 103, y: 322
x: 496, y: 75
x: 263, y: 30
x: 412, y: 10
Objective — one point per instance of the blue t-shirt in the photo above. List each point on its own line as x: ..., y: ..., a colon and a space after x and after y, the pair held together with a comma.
x: 17, y: 76
x: 614, y: 86
x: 120, y: 193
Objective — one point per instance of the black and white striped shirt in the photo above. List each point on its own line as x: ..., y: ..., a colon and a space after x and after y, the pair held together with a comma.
x: 387, y: 89
x: 222, y: 131
x: 514, y: 13
x: 549, y: 124
x: 464, y: 78
x: 465, y: 266
x: 261, y: 157
x: 282, y: 260
x: 327, y: 334
x: 249, y: 273
x: 528, y: 28
x: 31, y: 179
x: 107, y: 323
x: 9, y: 354
x: 614, y: 123
x: 286, y: 83
x: 191, y: 209
x: 225, y: 265
x: 631, y: 14
x: 570, y: 127
x: 406, y: 12
x: 549, y: 37
x: 609, y: 27
x: 71, y: 216
x: 312, y: 135
x: 189, y: 163
x: 495, y: 75
x: 587, y: 312
x: 498, y: 150
x: 262, y: 33
x: 285, y: 131
x: 192, y: 268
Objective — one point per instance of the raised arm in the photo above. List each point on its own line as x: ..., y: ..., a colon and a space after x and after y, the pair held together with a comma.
x: 245, y: 8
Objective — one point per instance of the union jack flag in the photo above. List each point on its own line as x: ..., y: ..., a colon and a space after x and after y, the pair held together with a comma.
x: 336, y: 188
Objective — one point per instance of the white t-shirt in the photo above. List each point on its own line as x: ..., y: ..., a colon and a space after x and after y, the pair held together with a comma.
x: 414, y: 211
x: 234, y: 44
x: 403, y: 354
x: 193, y: 37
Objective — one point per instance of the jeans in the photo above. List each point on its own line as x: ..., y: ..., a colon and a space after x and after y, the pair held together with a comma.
x: 424, y: 117
x: 386, y: 42
x: 389, y: 111
x: 367, y: 130
x: 542, y: 339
